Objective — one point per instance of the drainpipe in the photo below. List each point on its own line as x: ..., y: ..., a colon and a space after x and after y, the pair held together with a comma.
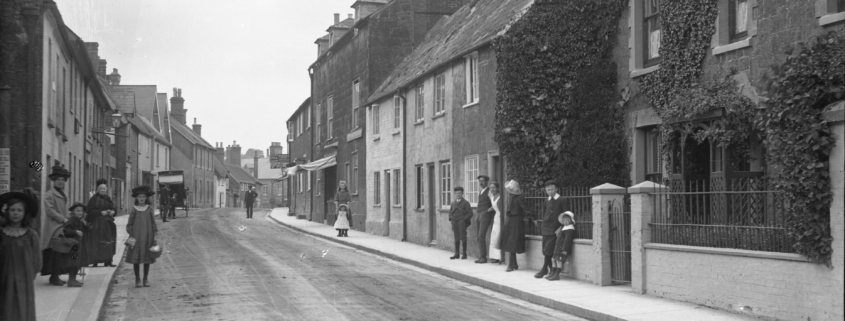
x: 404, y: 166
x: 311, y: 146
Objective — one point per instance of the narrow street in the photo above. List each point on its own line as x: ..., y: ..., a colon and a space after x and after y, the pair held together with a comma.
x: 221, y: 266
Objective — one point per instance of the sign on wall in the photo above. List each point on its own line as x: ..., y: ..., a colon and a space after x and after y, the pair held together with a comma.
x: 5, y: 170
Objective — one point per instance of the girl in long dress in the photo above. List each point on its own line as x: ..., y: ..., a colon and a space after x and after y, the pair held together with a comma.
x: 100, y: 242
x: 513, y: 236
x: 141, y: 227
x: 342, y: 197
x: 496, y: 199
x: 20, y: 256
x: 341, y: 224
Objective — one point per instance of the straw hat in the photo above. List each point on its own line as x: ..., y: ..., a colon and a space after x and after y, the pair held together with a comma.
x: 570, y: 214
x: 513, y: 187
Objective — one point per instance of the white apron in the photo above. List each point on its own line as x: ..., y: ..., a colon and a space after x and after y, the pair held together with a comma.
x: 494, y: 253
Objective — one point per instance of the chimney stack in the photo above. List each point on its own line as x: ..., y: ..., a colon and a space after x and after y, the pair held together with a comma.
x: 255, y: 166
x: 197, y: 128
x: 336, y: 18
x: 93, y: 49
x: 177, y: 106
x: 233, y: 154
x: 349, y: 16
x: 114, y: 77
x: 220, y: 152
x: 101, y: 69
x: 275, y: 149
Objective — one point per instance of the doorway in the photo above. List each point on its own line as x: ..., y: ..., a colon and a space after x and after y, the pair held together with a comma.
x: 330, y: 209
x: 432, y: 211
x: 388, y: 204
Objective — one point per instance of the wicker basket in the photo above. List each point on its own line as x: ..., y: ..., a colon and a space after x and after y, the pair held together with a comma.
x: 155, y: 252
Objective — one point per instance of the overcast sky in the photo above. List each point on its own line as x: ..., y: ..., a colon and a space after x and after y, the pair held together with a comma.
x: 242, y: 65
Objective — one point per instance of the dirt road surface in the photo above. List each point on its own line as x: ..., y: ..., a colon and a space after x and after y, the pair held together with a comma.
x: 218, y: 265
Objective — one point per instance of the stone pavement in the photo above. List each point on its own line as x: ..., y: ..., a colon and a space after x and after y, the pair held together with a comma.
x: 567, y: 295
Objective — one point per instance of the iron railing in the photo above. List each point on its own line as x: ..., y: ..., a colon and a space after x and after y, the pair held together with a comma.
x: 738, y: 213
x: 580, y: 203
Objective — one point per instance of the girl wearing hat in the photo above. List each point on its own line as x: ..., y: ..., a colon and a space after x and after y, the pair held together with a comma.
x: 513, y: 234
x: 142, y: 228
x: 71, y: 262
x: 100, y: 243
x: 341, y: 224
x: 20, y: 256
x: 563, y: 246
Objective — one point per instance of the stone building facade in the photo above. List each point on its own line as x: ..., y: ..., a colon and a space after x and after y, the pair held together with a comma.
x: 300, y: 147
x: 192, y: 154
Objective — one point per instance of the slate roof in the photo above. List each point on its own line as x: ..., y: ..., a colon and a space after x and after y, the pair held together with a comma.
x: 125, y: 100
x: 343, y: 24
x: 189, y: 134
x: 145, y: 98
x: 453, y: 37
x: 219, y: 168
x: 241, y: 175
x: 264, y: 169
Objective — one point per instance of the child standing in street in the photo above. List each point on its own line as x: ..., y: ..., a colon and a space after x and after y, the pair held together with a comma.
x: 20, y: 256
x: 142, y: 228
x: 341, y: 223
x: 563, y: 246
x: 75, y: 228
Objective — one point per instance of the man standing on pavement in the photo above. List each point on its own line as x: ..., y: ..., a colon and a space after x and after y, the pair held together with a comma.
x: 552, y: 208
x: 460, y: 214
x: 485, y: 217
x: 249, y: 198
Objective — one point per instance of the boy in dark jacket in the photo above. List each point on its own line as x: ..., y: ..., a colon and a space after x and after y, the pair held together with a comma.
x: 460, y: 215
x: 552, y: 207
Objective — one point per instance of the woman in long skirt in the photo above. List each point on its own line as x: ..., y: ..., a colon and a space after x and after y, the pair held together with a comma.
x: 513, y: 236
x: 20, y: 256
x: 495, y: 253
x: 142, y: 228
x: 100, y: 217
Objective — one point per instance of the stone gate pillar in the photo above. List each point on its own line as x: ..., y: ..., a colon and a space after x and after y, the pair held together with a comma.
x: 642, y: 208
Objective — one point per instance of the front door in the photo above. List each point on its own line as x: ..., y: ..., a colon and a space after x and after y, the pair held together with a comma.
x: 432, y: 211
x: 330, y: 183
x: 388, y: 202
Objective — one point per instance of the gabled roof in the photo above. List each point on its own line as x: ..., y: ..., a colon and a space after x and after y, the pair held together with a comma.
x: 323, y: 38
x: 240, y: 175
x: 125, y: 99
x: 189, y: 134
x: 153, y: 131
x: 265, y: 170
x: 344, y: 24
x: 219, y: 168
x: 165, y: 114
x: 454, y: 36
x: 145, y: 98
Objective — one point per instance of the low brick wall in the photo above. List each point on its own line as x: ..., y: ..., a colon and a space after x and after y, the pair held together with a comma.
x: 769, y: 285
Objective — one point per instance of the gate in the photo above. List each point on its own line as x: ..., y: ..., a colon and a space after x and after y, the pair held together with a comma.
x: 620, y: 240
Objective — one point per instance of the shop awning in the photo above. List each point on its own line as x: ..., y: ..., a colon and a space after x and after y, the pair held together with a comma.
x: 319, y: 164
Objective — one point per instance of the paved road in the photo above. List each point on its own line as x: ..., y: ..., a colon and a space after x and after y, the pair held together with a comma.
x: 221, y: 266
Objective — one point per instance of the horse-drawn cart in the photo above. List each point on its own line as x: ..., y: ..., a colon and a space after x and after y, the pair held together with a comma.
x: 174, y: 180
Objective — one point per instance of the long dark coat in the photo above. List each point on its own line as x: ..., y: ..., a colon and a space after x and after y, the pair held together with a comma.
x: 100, y: 243
x: 63, y: 263
x: 513, y: 234
x: 20, y: 261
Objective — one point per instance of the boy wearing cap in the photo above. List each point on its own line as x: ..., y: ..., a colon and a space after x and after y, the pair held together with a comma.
x: 552, y: 207
x: 460, y: 215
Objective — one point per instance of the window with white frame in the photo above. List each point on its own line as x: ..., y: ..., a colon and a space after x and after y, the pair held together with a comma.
x: 353, y: 182
x: 829, y: 11
x: 737, y: 20
x: 471, y: 78
x: 355, y: 93
x: 300, y: 120
x: 264, y: 189
x: 319, y: 123
x: 654, y: 160
x: 470, y: 182
x: 376, y: 188
x: 397, y: 187
x: 420, y: 103
x: 397, y: 111
x: 376, y: 119
x: 440, y: 93
x: 445, y: 184
x: 348, y: 173
x: 651, y: 32
x: 330, y: 117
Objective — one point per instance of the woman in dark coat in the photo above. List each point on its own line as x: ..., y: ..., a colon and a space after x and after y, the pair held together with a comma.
x: 513, y: 234
x: 100, y: 217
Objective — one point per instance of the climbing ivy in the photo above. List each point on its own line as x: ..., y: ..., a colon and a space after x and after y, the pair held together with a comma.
x: 557, y: 114
x: 798, y: 140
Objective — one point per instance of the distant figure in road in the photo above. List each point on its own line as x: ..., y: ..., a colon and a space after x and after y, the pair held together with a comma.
x: 20, y: 256
x: 460, y: 214
x: 341, y: 223
x: 485, y: 217
x: 100, y: 242
x: 513, y: 235
x: 343, y: 197
x: 563, y: 247
x: 164, y: 203
x: 142, y: 228
x: 249, y: 199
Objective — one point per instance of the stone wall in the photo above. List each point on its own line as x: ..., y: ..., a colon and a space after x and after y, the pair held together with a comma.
x: 384, y: 153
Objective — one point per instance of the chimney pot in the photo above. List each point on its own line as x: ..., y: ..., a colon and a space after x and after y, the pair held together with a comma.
x: 350, y: 16
x: 114, y: 77
x: 336, y: 18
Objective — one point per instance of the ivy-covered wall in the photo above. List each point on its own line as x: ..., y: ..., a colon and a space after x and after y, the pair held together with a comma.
x: 557, y: 114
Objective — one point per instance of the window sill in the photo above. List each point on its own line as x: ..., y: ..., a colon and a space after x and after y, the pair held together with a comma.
x: 471, y: 104
x: 419, y: 210
x: 354, y: 194
x: 397, y: 132
x: 441, y: 114
x: 639, y: 72
x: 419, y: 122
x: 377, y: 205
x: 745, y: 43
x: 831, y: 18
x: 444, y: 210
x: 377, y: 138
